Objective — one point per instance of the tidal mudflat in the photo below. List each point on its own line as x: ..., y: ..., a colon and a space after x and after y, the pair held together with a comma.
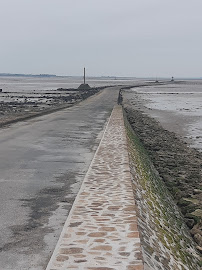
x: 20, y: 105
x: 177, y: 106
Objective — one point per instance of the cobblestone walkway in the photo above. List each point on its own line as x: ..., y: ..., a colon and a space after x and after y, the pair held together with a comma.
x: 101, y: 230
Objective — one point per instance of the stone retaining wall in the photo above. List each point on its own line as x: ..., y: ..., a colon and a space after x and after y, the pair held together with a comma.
x: 165, y: 238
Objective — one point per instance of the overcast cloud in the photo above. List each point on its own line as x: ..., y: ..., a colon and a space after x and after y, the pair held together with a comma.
x: 110, y: 37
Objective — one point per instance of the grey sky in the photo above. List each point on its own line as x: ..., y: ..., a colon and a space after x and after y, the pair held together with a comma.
x: 109, y: 37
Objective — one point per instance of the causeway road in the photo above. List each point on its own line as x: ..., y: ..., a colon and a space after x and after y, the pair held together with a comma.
x: 43, y: 162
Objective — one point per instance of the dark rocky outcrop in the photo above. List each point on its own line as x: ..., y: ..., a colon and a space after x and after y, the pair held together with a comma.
x: 84, y: 87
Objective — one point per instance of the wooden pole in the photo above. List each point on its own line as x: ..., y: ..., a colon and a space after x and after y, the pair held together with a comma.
x: 84, y: 77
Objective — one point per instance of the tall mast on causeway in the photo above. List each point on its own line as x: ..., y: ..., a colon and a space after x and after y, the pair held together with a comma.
x: 84, y: 86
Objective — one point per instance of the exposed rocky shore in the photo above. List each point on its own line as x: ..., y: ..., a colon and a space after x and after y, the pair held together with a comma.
x: 21, y: 106
x: 178, y: 165
x: 165, y: 239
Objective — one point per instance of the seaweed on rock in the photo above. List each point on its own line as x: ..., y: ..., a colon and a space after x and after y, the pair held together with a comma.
x: 166, y: 241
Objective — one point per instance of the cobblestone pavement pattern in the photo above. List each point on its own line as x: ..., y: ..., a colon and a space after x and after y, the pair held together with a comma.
x: 101, y: 231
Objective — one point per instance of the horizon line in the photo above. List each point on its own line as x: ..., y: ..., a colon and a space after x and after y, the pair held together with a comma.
x: 95, y: 76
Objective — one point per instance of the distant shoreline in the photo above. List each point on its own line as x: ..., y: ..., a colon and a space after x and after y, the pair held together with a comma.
x: 27, y: 75
x: 96, y: 77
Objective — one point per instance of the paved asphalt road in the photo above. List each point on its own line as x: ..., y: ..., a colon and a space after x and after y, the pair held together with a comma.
x: 42, y: 164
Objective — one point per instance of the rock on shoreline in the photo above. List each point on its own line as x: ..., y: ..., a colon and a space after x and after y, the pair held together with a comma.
x: 178, y: 165
x: 18, y: 107
x: 165, y: 239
